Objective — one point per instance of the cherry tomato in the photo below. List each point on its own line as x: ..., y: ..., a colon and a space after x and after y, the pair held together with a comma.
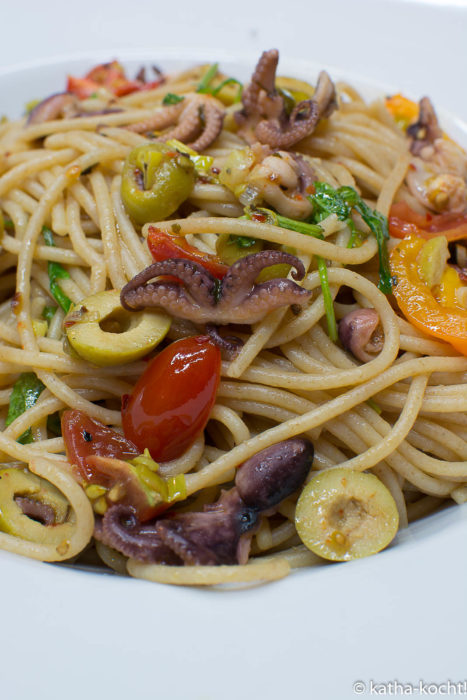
x: 404, y: 221
x: 110, y: 76
x: 85, y: 436
x: 98, y: 455
x: 171, y: 402
x: 163, y: 245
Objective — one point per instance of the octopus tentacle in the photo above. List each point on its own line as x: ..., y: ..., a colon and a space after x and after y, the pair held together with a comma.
x: 231, y: 344
x: 302, y: 121
x: 201, y: 120
x: 268, y: 296
x: 325, y: 95
x: 189, y: 125
x: 204, y: 299
x: 170, y: 296
x: 264, y: 116
x: 306, y: 174
x: 214, y: 536
x: 221, y: 533
x: 52, y: 107
x: 121, y: 529
x: 200, y: 282
x: 213, y: 119
x: 241, y: 276
x: 263, y: 78
x: 161, y: 119
x: 35, y: 509
x: 426, y: 130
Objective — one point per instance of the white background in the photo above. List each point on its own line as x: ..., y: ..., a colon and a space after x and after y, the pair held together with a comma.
x: 399, y: 616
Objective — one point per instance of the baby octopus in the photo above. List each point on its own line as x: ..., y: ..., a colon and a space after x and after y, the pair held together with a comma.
x: 196, y: 120
x: 264, y: 117
x: 201, y: 298
x: 221, y: 533
x: 438, y: 171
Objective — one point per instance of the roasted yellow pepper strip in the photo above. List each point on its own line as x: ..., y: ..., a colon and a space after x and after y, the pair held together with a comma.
x: 404, y: 111
x: 417, y: 301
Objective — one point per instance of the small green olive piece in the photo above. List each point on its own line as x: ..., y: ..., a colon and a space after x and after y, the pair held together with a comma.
x: 232, y: 248
x: 15, y: 483
x: 156, y: 179
x: 343, y: 515
x: 101, y: 331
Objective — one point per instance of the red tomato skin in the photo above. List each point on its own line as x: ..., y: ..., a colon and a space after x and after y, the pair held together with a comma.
x: 404, y: 221
x: 104, y: 442
x: 163, y: 245
x: 171, y: 402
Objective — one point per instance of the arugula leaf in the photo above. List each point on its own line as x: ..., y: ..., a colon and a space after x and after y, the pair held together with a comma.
x: 309, y: 230
x: 56, y: 271
x: 327, y: 299
x: 172, y: 99
x: 326, y: 201
x: 26, y: 391
x: 378, y: 225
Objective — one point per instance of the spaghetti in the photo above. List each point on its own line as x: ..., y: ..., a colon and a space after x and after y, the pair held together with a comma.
x: 400, y: 414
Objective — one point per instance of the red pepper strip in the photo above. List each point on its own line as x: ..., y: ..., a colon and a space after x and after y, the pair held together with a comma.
x: 163, y: 245
x: 417, y: 301
x: 404, y: 221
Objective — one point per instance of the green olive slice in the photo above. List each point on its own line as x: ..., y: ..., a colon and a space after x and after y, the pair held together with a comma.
x: 16, y: 482
x: 343, y: 514
x: 101, y: 331
x: 156, y: 179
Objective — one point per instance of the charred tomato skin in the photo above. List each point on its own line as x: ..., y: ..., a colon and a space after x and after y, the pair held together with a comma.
x: 171, y: 402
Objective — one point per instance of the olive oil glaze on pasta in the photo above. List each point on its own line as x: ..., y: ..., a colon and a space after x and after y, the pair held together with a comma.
x: 216, y: 365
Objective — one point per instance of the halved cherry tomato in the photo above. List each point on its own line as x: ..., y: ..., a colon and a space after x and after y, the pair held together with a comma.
x: 81, y: 87
x: 98, y: 453
x: 85, y: 436
x: 163, y: 245
x: 171, y: 402
x: 404, y: 221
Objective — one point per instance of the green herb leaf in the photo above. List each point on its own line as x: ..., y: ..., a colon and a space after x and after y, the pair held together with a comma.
x: 172, y: 99
x: 229, y: 81
x: 326, y: 201
x: 242, y: 241
x: 56, y: 271
x: 342, y: 202
x: 208, y: 77
x: 327, y: 299
x: 26, y: 391
x: 300, y: 226
x: 48, y: 312
x: 271, y: 217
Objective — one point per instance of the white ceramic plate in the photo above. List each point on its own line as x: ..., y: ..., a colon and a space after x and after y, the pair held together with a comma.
x: 74, y: 634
